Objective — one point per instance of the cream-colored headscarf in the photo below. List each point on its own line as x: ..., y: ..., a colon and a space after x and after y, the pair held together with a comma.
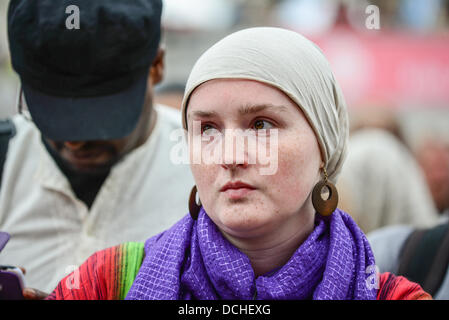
x: 288, y: 61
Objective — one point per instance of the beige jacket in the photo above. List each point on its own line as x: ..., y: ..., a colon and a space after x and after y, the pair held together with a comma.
x: 52, y: 231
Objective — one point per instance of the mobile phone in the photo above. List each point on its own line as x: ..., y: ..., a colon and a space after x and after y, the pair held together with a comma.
x: 12, y: 280
x: 11, y: 283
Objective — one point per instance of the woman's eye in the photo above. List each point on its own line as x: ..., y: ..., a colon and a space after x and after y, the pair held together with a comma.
x: 208, y: 129
x: 262, y: 124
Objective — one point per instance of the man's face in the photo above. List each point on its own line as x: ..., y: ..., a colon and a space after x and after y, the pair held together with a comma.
x: 99, y: 156
x: 91, y: 156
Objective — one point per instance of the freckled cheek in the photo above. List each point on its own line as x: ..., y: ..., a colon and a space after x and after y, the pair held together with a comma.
x: 205, y: 176
x: 293, y: 180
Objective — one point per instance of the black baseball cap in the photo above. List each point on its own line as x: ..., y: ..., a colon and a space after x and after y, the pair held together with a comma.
x: 84, y: 81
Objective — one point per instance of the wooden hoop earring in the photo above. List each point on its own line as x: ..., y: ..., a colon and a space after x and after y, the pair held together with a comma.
x: 325, y: 207
x: 194, y: 208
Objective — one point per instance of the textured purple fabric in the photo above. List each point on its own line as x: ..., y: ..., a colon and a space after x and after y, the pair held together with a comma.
x: 4, y: 238
x: 192, y: 260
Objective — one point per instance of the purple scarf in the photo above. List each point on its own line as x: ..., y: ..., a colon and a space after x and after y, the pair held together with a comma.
x: 192, y: 260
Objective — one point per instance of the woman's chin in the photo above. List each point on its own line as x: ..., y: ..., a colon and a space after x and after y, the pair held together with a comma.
x: 242, y: 224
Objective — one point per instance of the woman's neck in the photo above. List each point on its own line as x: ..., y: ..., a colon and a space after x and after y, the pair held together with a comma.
x: 273, y: 249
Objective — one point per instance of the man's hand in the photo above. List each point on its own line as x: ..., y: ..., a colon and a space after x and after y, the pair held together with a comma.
x: 34, y: 294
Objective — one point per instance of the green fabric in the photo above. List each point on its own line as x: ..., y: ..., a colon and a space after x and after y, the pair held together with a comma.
x: 130, y: 264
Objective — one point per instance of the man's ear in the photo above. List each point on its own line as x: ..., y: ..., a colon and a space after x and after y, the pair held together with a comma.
x: 157, y: 67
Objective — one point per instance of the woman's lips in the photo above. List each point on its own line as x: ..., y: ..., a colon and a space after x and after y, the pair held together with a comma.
x: 236, y: 190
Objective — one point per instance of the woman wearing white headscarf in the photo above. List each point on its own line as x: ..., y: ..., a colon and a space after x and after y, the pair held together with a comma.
x: 256, y: 234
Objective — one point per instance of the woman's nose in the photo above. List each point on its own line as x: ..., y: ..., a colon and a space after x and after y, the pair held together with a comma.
x: 236, y: 154
x: 234, y: 165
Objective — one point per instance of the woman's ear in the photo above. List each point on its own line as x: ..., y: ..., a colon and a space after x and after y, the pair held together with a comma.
x: 157, y: 67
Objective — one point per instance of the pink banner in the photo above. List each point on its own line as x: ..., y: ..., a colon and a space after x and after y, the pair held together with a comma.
x: 389, y: 69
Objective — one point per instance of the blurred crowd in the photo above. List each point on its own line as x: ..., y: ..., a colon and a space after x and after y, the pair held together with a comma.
x: 399, y: 156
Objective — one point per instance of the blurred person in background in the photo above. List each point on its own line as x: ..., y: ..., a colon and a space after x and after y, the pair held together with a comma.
x: 381, y: 183
x: 384, y: 118
x: 425, y: 135
x: 422, y: 254
x: 91, y: 168
x: 433, y: 156
x: 170, y: 94
x: 421, y: 16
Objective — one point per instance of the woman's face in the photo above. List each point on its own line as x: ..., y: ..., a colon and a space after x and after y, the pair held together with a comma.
x: 238, y: 198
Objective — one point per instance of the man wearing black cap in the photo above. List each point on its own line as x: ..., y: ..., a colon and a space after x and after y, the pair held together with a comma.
x: 91, y: 168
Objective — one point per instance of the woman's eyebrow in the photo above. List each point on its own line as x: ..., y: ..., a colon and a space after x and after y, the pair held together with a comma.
x: 203, y: 114
x: 244, y: 110
x: 248, y: 109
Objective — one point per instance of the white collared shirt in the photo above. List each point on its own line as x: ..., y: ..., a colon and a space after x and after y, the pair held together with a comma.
x: 52, y: 231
